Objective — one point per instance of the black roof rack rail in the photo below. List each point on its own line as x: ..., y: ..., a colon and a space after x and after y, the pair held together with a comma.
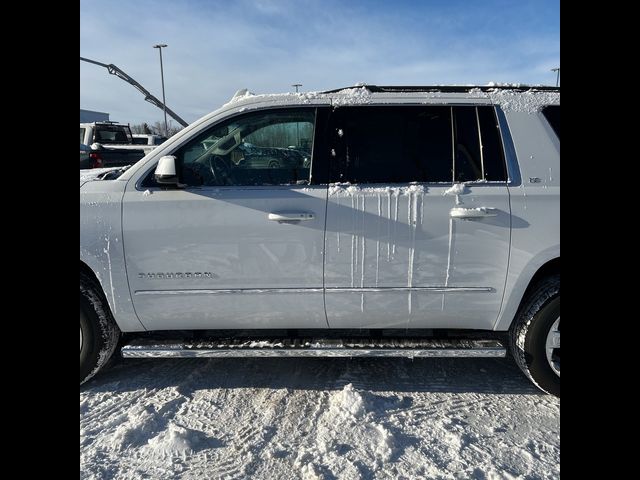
x: 448, y: 88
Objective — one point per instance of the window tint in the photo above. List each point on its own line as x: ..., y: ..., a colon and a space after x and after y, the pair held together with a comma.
x: 392, y: 144
x: 263, y: 148
x: 81, y: 135
x: 112, y: 134
x: 492, y: 151
x: 468, y: 164
x: 416, y: 144
x: 552, y: 114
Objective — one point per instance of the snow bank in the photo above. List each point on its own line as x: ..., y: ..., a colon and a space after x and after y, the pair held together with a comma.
x: 174, y: 441
x: 346, y: 429
x: 317, y: 419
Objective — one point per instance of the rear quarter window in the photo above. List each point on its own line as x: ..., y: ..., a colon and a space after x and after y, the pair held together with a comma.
x: 552, y: 114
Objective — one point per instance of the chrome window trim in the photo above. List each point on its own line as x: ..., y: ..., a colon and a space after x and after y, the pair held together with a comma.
x: 510, y: 157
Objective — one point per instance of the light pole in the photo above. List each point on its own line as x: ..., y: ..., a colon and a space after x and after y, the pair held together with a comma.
x: 557, y: 70
x: 296, y: 85
x: 160, y: 46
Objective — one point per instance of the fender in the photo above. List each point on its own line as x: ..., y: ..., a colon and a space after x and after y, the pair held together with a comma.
x: 101, y: 247
x: 518, y: 280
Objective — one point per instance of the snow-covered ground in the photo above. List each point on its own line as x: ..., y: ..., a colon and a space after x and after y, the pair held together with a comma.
x: 317, y: 418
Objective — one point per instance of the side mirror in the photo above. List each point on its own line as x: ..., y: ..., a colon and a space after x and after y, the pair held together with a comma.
x: 166, y: 171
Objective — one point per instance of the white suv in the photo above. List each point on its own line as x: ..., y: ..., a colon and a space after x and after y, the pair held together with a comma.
x: 379, y: 221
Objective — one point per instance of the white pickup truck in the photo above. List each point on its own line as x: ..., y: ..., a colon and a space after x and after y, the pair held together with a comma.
x: 111, y: 144
x: 366, y: 221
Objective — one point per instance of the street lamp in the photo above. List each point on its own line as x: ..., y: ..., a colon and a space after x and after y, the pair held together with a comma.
x: 296, y: 85
x: 557, y: 70
x: 160, y: 46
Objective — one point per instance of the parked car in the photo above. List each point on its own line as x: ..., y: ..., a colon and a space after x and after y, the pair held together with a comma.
x: 424, y: 222
x: 111, y: 144
x: 148, y: 139
x: 85, y: 159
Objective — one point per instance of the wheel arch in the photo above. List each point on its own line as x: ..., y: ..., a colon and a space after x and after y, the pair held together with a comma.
x: 518, y: 293
x: 552, y: 267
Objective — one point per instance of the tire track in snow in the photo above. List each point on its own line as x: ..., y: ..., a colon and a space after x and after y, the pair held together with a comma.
x: 296, y: 418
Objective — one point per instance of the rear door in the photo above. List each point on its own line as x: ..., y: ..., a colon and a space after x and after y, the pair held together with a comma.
x: 418, y: 226
x: 241, y: 246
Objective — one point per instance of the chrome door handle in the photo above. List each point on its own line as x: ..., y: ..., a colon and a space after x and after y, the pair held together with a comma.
x: 471, y: 213
x: 291, y: 217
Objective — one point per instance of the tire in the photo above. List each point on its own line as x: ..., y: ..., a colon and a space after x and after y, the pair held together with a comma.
x: 530, y: 332
x: 99, y: 333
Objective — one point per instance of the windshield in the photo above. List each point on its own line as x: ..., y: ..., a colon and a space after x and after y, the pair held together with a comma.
x: 112, y: 134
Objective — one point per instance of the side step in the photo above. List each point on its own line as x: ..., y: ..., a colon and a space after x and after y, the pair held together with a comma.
x: 301, y: 347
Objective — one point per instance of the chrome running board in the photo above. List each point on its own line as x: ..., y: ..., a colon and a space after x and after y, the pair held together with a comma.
x: 389, y: 347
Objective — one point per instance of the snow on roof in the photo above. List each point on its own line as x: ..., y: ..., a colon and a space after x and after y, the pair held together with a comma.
x: 511, y: 97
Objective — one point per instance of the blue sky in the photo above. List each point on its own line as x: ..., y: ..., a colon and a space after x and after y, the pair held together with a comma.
x: 217, y: 47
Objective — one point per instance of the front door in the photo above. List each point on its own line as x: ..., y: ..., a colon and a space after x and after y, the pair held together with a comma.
x: 418, y: 225
x: 241, y: 246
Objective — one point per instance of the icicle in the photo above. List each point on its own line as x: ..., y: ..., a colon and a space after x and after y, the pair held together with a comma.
x: 337, y: 225
x: 412, y: 218
x: 379, y: 219
x: 446, y: 280
x: 364, y: 246
x: 389, y: 225
x: 357, y: 238
x: 395, y: 224
x: 353, y: 242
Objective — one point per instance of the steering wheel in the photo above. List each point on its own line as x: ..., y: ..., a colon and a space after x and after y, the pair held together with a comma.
x: 220, y: 169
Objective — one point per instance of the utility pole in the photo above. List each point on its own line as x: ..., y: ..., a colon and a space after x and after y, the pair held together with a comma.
x: 296, y: 85
x: 557, y: 70
x: 160, y: 46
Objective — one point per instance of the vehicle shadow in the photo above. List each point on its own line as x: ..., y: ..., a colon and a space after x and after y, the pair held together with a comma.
x: 447, y: 375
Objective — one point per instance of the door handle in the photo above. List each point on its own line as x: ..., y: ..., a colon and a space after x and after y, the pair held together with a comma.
x: 471, y: 213
x: 291, y: 217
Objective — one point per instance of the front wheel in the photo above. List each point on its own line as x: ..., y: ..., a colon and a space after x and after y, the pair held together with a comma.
x: 98, y: 332
x: 535, y: 336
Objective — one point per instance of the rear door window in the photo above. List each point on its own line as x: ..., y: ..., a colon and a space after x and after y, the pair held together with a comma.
x: 431, y: 144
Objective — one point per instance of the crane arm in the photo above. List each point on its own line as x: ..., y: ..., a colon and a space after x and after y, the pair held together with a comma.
x: 113, y: 70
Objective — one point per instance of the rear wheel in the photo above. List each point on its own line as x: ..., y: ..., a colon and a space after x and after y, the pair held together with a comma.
x: 98, y: 332
x: 535, y: 336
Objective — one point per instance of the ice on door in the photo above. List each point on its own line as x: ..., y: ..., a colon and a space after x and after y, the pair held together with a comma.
x: 394, y: 257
